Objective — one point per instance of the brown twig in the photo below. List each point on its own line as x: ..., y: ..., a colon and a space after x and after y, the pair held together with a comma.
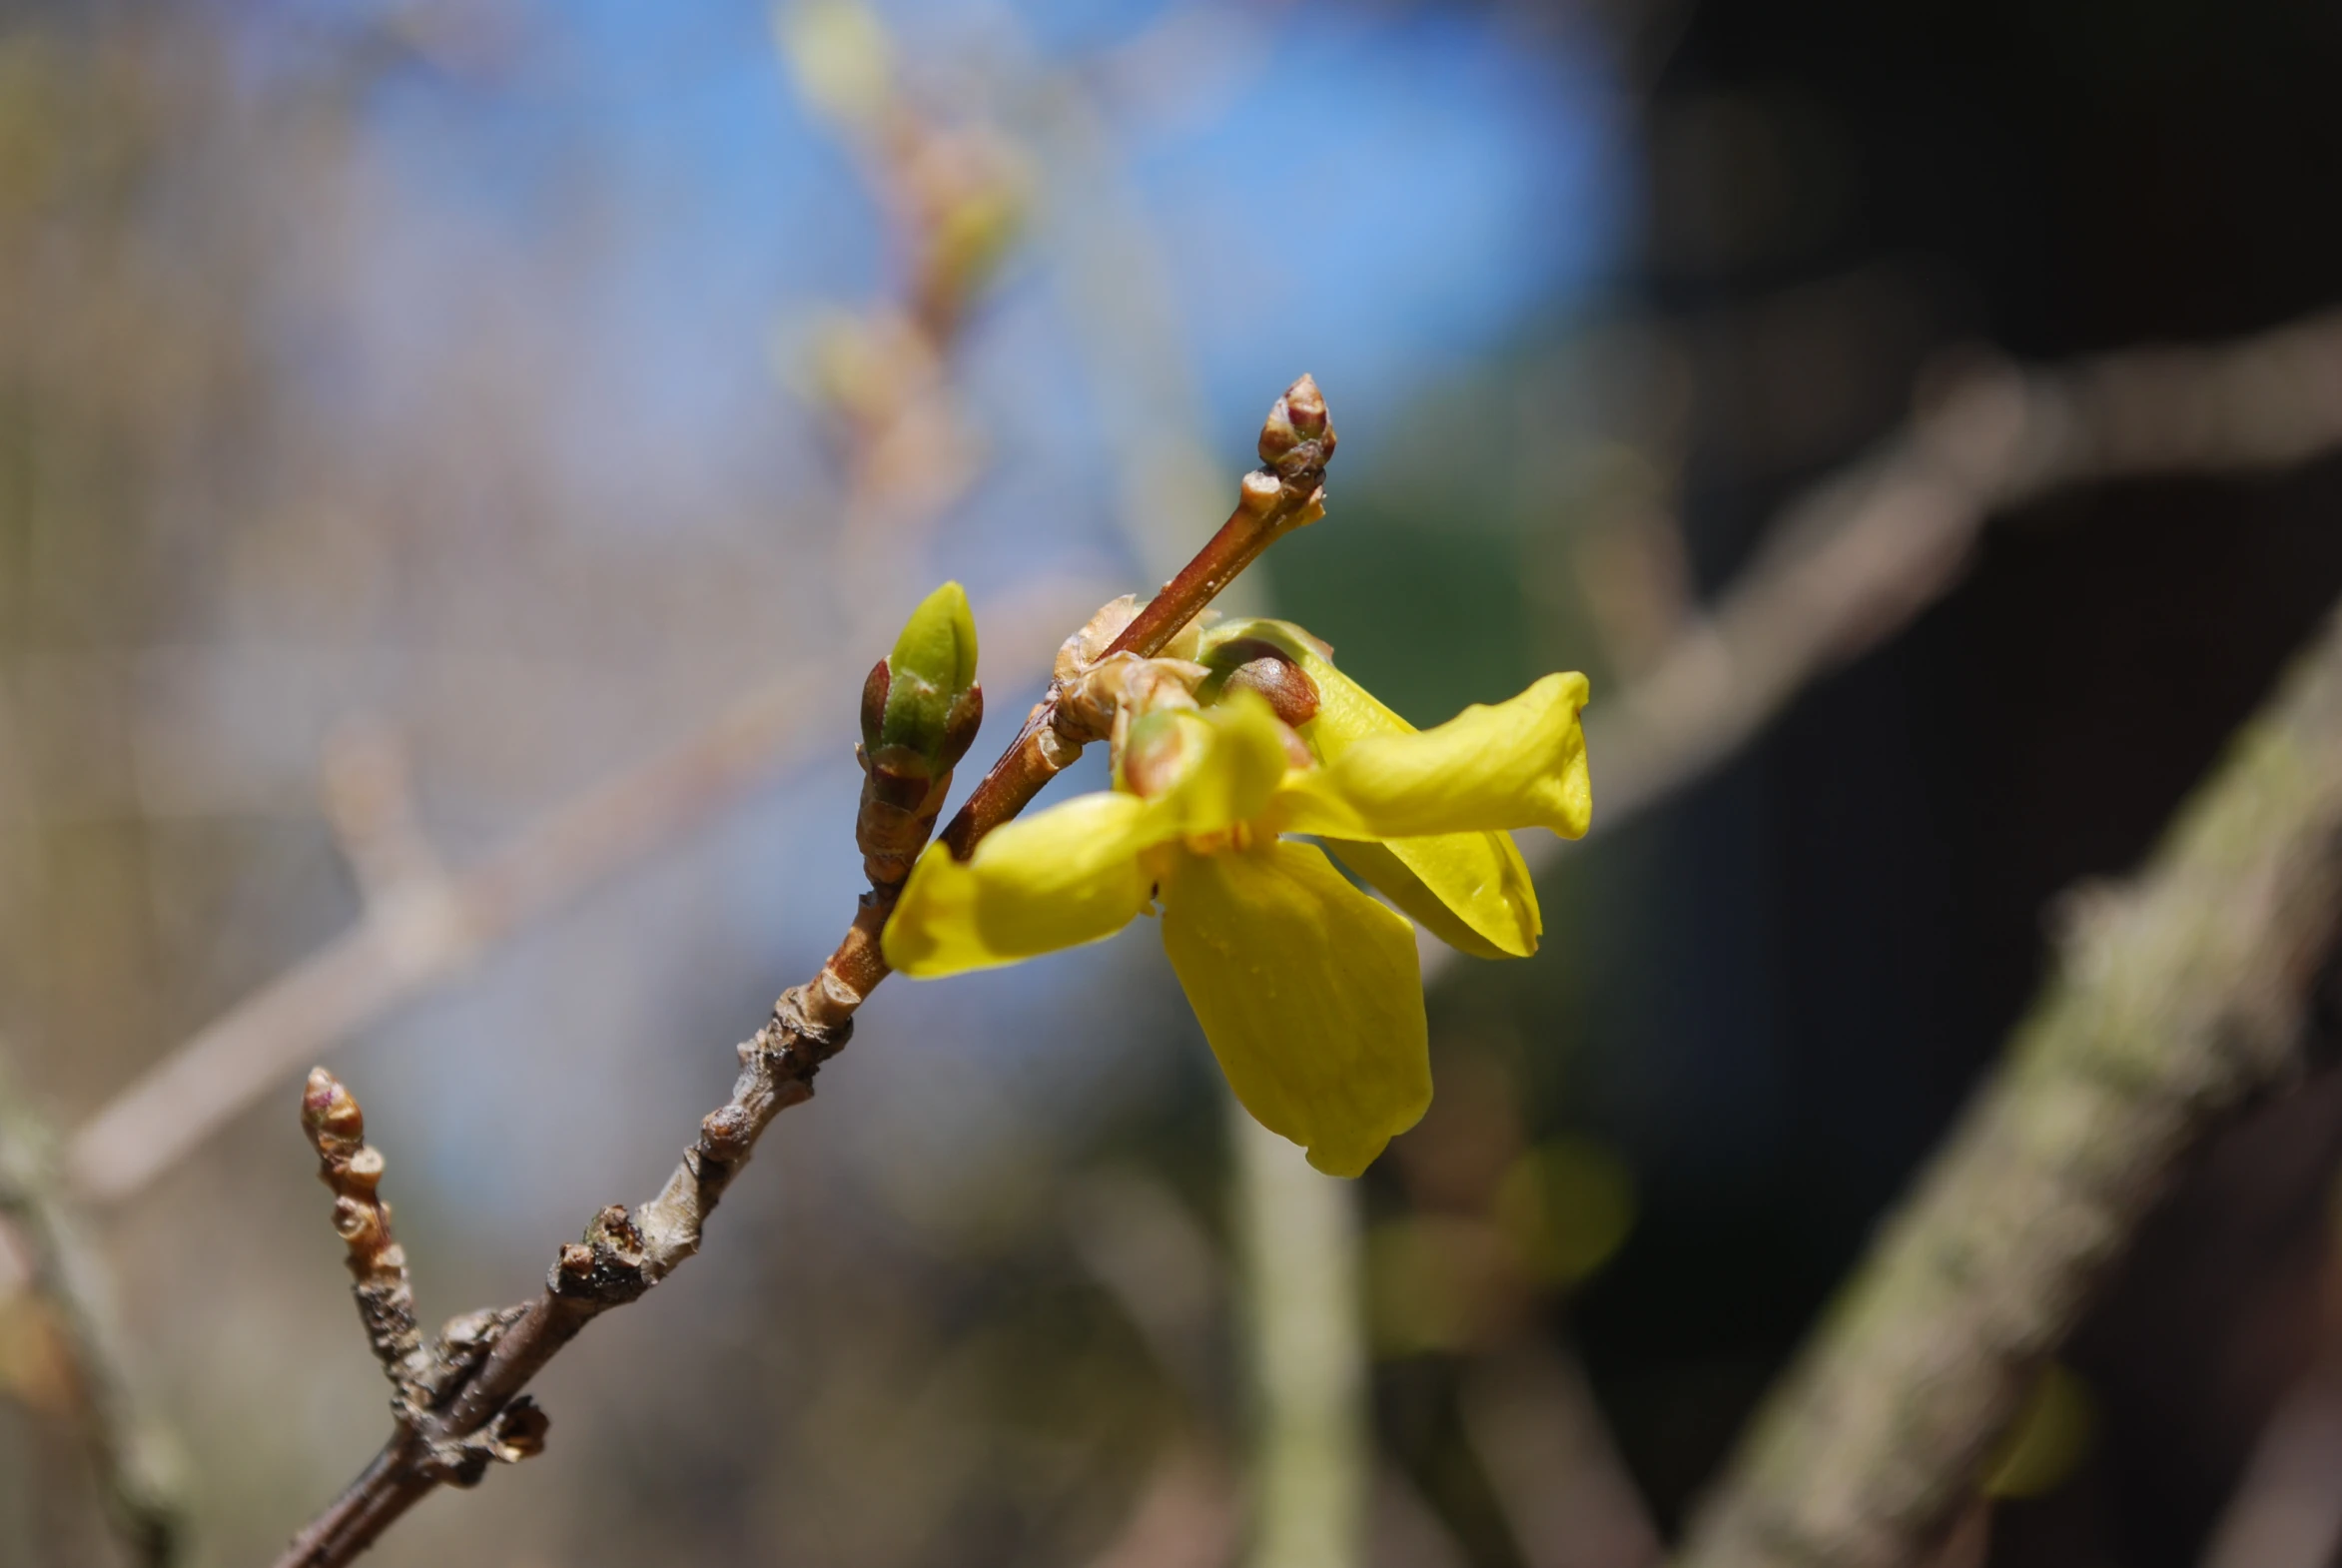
x: 461, y: 1402
x: 2177, y: 998
x: 378, y: 1263
x: 1287, y: 492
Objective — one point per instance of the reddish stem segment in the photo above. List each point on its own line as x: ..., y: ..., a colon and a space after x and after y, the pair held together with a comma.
x: 1287, y: 492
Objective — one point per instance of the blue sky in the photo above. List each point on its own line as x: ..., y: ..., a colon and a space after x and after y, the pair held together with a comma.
x: 632, y: 201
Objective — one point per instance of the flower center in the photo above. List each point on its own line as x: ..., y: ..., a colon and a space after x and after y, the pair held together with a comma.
x: 1234, y: 837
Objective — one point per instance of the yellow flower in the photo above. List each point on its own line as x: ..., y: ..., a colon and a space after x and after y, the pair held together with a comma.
x: 1307, y: 989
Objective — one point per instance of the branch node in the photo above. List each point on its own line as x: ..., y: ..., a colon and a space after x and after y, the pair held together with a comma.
x: 802, y: 1034
x: 607, y: 1267
x: 517, y: 1432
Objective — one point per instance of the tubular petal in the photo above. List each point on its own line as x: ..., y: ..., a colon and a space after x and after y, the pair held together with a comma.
x: 1056, y: 879
x: 1470, y: 890
x: 1347, y: 711
x: 1520, y: 763
x: 1241, y: 762
x: 1310, y: 993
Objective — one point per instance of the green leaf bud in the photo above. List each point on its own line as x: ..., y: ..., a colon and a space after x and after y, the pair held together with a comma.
x: 922, y: 701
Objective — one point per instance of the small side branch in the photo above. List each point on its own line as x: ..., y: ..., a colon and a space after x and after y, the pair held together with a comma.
x: 1856, y: 557
x: 2178, y: 997
x: 353, y: 1170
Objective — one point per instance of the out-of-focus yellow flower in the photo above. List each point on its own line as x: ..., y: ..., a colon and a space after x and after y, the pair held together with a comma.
x: 1306, y: 988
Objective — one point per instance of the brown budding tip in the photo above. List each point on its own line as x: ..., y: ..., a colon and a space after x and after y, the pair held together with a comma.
x: 329, y: 1110
x: 1296, y: 436
x: 1305, y: 404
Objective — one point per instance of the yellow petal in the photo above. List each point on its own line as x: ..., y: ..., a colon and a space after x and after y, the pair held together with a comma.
x: 1308, y: 992
x: 1470, y: 890
x: 1235, y: 757
x: 1347, y: 711
x: 1056, y: 879
x: 1516, y: 764
x: 1072, y: 874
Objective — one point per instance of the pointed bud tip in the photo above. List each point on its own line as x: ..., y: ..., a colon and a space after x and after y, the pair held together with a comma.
x: 873, y: 702
x: 923, y: 701
x: 1305, y: 404
x: 1296, y: 436
x: 938, y: 643
x: 328, y: 1109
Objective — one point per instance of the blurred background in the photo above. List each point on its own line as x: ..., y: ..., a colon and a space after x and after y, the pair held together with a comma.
x: 457, y: 458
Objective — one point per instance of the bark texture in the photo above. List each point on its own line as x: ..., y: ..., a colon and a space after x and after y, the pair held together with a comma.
x: 2177, y: 996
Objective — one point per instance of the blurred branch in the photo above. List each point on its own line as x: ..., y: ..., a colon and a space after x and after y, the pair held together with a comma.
x: 2177, y: 998
x: 1185, y: 1516
x: 423, y: 927
x: 1857, y: 556
x: 460, y: 1403
x: 429, y: 929
x: 131, y: 1457
x: 2286, y: 1511
x: 1548, y: 1456
x: 1311, y: 1466
x: 955, y: 198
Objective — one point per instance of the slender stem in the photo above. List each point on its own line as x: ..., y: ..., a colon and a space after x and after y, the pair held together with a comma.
x: 1304, y: 1310
x: 461, y: 1405
x: 1287, y: 492
x: 384, y: 1491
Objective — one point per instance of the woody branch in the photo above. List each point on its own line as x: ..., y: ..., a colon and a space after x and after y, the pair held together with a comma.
x: 460, y: 1403
x: 2178, y: 997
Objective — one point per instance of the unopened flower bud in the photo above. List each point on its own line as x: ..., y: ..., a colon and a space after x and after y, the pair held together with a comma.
x: 329, y: 1112
x: 922, y: 701
x: 1296, y: 436
x: 1258, y: 665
